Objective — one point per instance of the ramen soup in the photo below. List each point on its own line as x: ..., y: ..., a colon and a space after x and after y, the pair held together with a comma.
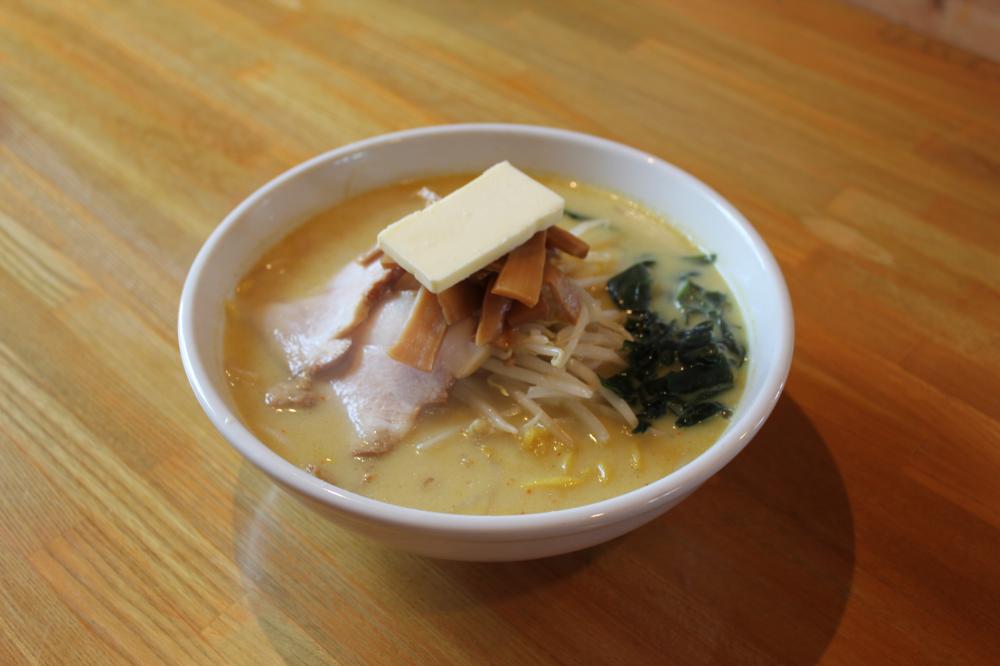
x: 468, y: 398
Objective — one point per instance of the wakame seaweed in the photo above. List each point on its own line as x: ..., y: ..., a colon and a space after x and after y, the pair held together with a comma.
x: 704, y: 259
x: 632, y: 289
x: 672, y: 367
x: 704, y: 375
x: 699, y: 411
x: 573, y: 215
x: 693, y: 299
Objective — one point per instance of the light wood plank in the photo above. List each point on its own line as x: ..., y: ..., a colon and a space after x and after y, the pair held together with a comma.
x: 861, y: 526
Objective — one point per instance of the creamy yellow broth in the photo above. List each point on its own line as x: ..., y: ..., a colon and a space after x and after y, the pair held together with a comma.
x: 463, y: 473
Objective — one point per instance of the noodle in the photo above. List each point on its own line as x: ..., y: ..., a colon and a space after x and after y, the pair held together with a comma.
x: 540, y: 393
x: 557, y: 377
x: 620, y: 406
x: 597, y: 430
x: 584, y: 373
x: 573, y: 339
x: 593, y: 352
x: 435, y: 439
x: 466, y: 392
x: 543, y: 417
x: 572, y: 387
x: 582, y: 228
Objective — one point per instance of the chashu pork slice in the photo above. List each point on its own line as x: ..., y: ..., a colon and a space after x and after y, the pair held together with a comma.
x: 459, y: 353
x: 382, y: 396
x: 312, y: 332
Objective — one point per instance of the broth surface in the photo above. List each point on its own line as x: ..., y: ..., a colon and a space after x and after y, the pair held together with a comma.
x: 463, y: 473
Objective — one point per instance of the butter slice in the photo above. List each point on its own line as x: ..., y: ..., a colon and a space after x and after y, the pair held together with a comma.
x: 473, y: 226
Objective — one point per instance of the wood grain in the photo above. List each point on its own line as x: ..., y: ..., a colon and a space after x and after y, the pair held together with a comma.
x: 861, y: 526
x: 971, y: 24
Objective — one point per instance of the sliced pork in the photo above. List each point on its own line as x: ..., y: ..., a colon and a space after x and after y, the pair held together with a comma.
x: 383, y: 397
x: 294, y: 393
x: 459, y: 353
x: 311, y: 332
x: 387, y: 320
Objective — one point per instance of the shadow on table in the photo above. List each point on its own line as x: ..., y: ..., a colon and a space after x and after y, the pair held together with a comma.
x: 755, y: 566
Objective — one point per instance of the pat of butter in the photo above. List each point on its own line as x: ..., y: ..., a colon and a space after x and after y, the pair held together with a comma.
x: 473, y: 226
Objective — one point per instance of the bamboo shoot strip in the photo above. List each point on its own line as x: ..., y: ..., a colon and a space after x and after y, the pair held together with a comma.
x: 460, y: 301
x: 421, y: 338
x: 370, y: 255
x: 569, y: 243
x: 521, y: 275
x: 491, y: 320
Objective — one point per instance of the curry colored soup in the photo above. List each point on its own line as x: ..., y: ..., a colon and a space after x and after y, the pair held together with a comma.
x: 443, y: 464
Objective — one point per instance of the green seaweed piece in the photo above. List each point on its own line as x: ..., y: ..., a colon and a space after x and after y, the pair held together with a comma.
x: 573, y: 215
x: 697, y: 412
x: 632, y: 289
x: 703, y: 259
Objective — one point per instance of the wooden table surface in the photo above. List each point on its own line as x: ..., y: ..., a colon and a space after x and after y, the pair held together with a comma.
x: 861, y: 526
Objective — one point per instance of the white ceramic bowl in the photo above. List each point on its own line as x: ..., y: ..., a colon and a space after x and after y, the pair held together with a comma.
x: 273, y: 210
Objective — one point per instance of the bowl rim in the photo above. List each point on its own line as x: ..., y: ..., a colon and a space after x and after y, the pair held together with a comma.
x: 755, y: 409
